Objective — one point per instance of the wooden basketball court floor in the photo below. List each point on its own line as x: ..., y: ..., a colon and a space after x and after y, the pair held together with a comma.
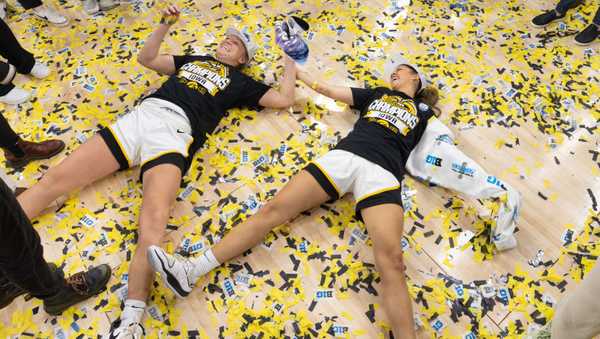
x: 523, y: 102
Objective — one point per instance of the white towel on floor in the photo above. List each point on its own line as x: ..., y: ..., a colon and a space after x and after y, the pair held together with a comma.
x: 438, y: 160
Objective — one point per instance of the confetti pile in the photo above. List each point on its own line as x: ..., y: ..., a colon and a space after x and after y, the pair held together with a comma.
x: 524, y: 103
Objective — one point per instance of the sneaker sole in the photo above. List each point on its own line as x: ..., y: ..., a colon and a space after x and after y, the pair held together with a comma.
x: 63, y: 24
x: 24, y: 162
x: 159, y: 264
x: 540, y: 26
x: 584, y: 43
x: 58, y: 311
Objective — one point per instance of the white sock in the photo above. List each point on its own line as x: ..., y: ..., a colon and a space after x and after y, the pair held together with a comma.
x: 133, y: 311
x: 203, y: 264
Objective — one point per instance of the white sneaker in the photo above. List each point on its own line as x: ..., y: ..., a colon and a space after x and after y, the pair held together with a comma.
x: 15, y: 96
x: 175, y: 270
x: 126, y: 331
x: 2, y: 10
x: 105, y: 5
x: 52, y: 16
x: 39, y: 70
x: 91, y: 7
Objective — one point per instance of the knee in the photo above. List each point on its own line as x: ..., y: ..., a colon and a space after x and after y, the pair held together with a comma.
x: 390, y: 262
x: 54, y: 180
x: 275, y: 210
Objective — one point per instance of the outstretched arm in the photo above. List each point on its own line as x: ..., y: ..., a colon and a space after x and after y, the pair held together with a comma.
x: 149, y: 57
x: 340, y: 93
x: 284, y: 97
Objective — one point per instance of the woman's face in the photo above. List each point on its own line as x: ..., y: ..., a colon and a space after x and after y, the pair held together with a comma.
x: 232, y: 51
x: 402, y: 76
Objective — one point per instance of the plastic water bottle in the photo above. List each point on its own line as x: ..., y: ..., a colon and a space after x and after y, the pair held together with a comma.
x: 288, y: 35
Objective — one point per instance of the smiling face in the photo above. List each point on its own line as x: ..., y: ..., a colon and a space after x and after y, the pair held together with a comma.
x: 232, y: 51
x: 403, y: 77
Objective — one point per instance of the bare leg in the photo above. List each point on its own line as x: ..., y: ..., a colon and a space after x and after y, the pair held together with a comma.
x: 159, y: 192
x: 302, y: 193
x: 88, y: 163
x: 384, y: 224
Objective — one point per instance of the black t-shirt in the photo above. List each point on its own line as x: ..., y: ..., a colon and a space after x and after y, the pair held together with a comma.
x: 205, y: 89
x: 390, y: 126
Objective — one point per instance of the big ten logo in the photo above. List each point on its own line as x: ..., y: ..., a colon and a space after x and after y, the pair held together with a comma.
x: 504, y: 295
x: 445, y: 138
x: 261, y: 160
x: 185, y: 245
x: 282, y: 149
x: 87, y: 221
x: 433, y: 160
x: 186, y: 192
x: 324, y: 294
x: 244, y: 157
x: 243, y: 279
x: 103, y: 241
x: 463, y: 169
x: 303, y: 247
x: 358, y: 236
x: 155, y: 313
x: 197, y: 247
x: 230, y: 156
x: 495, y: 181
x: 460, y: 291
x: 228, y: 287
x: 339, y: 330
x: 437, y: 325
x: 251, y: 204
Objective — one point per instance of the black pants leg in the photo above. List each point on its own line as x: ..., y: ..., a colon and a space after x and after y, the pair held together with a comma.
x: 21, y: 253
x: 5, y: 82
x: 29, y: 4
x: 8, y: 137
x: 12, y: 51
x: 564, y: 5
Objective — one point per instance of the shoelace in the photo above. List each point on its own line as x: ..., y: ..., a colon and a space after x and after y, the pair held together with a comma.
x: 188, y: 266
x: 78, y: 283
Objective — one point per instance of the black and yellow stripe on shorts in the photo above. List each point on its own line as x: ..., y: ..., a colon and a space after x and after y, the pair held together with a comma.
x: 324, y: 179
x: 389, y: 195
x: 115, y: 147
x: 169, y: 157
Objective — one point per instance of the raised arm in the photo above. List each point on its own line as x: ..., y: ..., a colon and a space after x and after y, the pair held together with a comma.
x: 284, y: 97
x: 149, y: 57
x: 340, y: 93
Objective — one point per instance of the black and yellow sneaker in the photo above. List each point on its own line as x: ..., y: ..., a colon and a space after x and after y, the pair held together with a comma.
x: 78, y: 288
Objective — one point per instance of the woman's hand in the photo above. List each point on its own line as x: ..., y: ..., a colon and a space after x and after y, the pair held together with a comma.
x: 170, y: 15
